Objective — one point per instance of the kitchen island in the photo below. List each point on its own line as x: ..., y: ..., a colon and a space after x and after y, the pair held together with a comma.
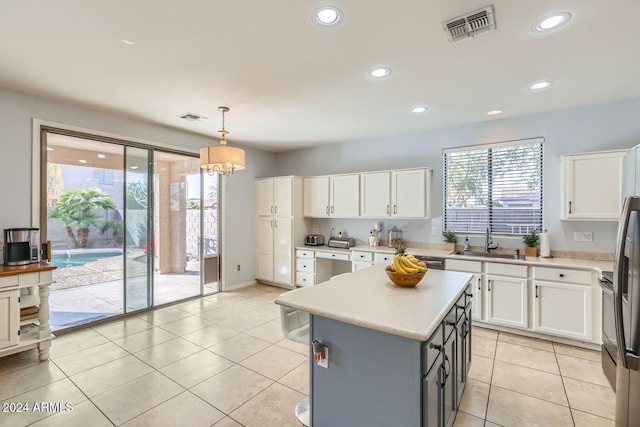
x: 397, y: 356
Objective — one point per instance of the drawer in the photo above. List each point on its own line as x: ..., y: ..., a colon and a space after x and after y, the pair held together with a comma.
x: 450, y: 321
x: 563, y: 275
x: 304, y: 254
x: 29, y: 279
x: 333, y: 255
x: 8, y: 281
x: 431, y: 349
x: 507, y: 269
x: 305, y: 279
x: 359, y: 256
x: 380, y: 258
x: 306, y: 265
x: 463, y: 265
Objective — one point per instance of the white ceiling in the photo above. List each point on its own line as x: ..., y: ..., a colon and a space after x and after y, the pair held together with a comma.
x: 291, y: 83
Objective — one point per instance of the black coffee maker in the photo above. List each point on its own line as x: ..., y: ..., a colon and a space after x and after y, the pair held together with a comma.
x: 21, y: 246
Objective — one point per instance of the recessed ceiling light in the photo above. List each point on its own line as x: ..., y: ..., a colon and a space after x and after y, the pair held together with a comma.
x: 49, y: 148
x: 380, y: 72
x: 126, y: 41
x: 540, y: 85
x: 494, y: 112
x: 552, y: 21
x: 101, y: 156
x: 328, y: 15
x: 82, y: 161
x: 134, y: 167
x: 418, y: 109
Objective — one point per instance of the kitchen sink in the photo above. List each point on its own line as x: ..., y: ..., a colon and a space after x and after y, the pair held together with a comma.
x: 489, y: 255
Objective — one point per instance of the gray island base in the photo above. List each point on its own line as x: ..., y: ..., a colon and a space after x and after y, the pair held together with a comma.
x: 397, y: 356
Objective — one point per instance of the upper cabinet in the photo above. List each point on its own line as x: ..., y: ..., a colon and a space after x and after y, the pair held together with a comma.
x: 395, y: 194
x: 592, y: 187
x: 332, y: 196
x: 274, y: 196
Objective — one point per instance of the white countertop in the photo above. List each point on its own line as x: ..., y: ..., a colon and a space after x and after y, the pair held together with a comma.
x: 581, y: 264
x: 367, y: 298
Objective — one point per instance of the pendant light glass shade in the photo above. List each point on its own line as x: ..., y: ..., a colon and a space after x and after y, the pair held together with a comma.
x: 222, y: 158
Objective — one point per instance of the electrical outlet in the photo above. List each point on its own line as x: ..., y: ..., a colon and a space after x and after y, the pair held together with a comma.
x: 318, y: 229
x: 583, y: 236
x: 434, y: 231
x: 238, y: 267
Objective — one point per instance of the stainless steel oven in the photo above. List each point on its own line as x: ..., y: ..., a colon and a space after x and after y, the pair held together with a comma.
x: 609, y: 346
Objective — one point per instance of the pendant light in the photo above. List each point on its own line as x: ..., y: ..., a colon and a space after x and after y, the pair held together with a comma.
x: 222, y: 158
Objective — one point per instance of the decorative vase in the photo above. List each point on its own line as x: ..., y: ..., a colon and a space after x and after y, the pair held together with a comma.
x: 531, y: 251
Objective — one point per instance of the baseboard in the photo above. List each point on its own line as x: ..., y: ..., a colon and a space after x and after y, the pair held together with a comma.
x: 240, y: 285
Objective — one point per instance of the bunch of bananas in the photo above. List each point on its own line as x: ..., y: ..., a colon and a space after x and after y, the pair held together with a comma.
x: 407, y: 264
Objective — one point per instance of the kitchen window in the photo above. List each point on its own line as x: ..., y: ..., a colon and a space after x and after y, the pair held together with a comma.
x: 497, y: 185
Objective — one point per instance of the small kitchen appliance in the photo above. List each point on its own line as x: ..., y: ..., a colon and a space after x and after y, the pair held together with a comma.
x: 341, y: 242
x: 21, y: 246
x: 314, y: 240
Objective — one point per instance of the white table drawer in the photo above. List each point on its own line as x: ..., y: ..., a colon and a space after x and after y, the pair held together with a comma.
x: 29, y: 278
x: 305, y: 279
x: 359, y: 256
x: 306, y: 265
x: 512, y: 270
x: 304, y: 254
x: 8, y: 281
x: 463, y: 265
x: 333, y: 255
x: 563, y: 275
x: 382, y: 258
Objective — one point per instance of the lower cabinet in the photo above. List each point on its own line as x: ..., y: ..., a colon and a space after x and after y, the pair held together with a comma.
x: 274, y: 250
x: 552, y: 303
x: 447, y: 359
x: 507, y: 301
x: 9, y: 316
x: 361, y: 259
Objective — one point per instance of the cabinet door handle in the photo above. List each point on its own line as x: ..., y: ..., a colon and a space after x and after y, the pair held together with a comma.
x: 569, y: 207
x: 271, y: 209
x: 327, y: 209
x: 561, y: 275
x: 489, y: 285
x: 332, y: 209
x: 479, y: 284
x: 275, y: 224
x: 536, y: 291
x: 395, y: 209
x: 388, y: 209
x: 275, y: 209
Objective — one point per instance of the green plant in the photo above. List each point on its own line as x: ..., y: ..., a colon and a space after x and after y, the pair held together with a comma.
x: 450, y: 237
x: 75, y: 209
x: 114, y: 226
x: 531, y: 239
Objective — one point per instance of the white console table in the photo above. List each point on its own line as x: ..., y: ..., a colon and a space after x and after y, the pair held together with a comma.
x: 36, y: 279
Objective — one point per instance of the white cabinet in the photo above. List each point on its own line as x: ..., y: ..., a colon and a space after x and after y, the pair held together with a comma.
x: 383, y: 258
x: 562, y: 308
x: 592, y: 187
x: 30, y: 285
x: 507, y: 296
x: 409, y: 195
x: 477, y: 283
x: 375, y: 194
x: 316, y: 197
x: 361, y: 259
x: 9, y: 317
x: 274, y: 196
x: 279, y: 228
x: 396, y: 194
x: 332, y: 196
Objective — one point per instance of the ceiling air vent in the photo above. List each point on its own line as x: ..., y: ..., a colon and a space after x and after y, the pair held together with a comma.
x: 469, y: 24
x: 190, y: 117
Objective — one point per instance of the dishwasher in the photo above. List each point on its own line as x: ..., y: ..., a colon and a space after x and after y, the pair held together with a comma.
x: 432, y: 262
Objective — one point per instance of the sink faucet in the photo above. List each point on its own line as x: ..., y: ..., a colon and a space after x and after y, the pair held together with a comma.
x: 488, y: 245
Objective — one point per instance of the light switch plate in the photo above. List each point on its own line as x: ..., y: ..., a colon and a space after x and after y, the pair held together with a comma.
x: 583, y: 236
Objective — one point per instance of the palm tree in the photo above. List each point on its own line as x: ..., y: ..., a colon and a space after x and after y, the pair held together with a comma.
x: 75, y: 209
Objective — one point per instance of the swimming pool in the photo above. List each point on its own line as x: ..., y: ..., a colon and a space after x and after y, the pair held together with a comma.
x: 75, y: 259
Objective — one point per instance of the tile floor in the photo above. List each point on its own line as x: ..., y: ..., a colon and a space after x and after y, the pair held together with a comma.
x: 520, y: 381
x: 222, y: 361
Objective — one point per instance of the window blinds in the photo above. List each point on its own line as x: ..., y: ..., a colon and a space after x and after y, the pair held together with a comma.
x: 498, y: 185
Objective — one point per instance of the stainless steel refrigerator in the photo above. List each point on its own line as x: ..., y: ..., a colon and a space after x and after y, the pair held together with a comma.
x: 626, y: 295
